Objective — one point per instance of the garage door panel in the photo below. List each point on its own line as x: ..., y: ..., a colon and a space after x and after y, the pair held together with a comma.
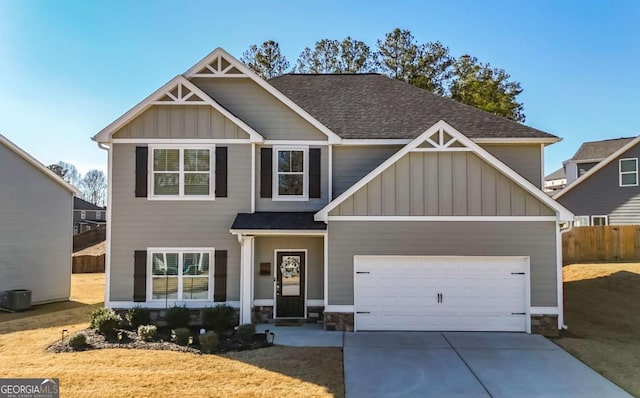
x: 476, y: 293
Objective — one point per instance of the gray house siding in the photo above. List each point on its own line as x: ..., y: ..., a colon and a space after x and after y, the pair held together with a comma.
x: 35, y: 239
x: 351, y: 163
x: 181, y: 121
x: 138, y: 223
x: 601, y: 194
x: 526, y: 159
x: 259, y: 109
x: 313, y: 204
x: 441, y: 184
x: 264, y: 253
x: 482, y: 238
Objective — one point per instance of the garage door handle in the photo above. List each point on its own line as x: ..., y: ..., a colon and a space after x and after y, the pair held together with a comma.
x: 362, y: 272
x: 363, y: 312
x: 518, y: 313
x: 517, y: 273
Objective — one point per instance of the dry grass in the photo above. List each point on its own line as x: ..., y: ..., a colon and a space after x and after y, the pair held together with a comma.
x: 602, y: 307
x: 95, y: 250
x: 277, y: 371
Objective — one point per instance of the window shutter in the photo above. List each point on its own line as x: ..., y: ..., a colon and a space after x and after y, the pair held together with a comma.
x: 221, y: 172
x: 140, y: 276
x: 314, y: 172
x: 142, y: 155
x: 220, y: 276
x: 265, y: 172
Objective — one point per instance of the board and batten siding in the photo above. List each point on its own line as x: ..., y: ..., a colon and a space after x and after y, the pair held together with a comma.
x: 313, y: 204
x: 259, y: 109
x: 351, y: 163
x: 441, y: 184
x: 419, y: 238
x: 601, y: 194
x: 36, y: 234
x: 525, y: 159
x: 138, y: 223
x: 264, y: 253
x: 181, y: 121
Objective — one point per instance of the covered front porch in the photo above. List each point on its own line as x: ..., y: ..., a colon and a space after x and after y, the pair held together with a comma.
x: 282, y: 267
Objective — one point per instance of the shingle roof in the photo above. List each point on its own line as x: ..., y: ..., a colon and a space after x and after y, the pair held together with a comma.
x: 80, y: 204
x: 278, y: 220
x: 596, y: 150
x: 373, y: 106
x: 560, y: 173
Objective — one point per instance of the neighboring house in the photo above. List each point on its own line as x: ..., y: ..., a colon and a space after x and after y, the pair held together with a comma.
x: 607, y: 193
x: 356, y: 198
x: 555, y: 181
x: 36, y: 208
x: 87, y: 216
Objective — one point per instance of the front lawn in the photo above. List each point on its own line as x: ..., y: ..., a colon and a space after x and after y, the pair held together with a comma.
x: 602, y: 311
x: 269, y: 372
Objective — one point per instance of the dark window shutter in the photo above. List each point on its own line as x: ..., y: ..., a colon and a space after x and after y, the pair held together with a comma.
x: 220, y: 276
x: 314, y: 172
x: 221, y: 172
x: 142, y: 155
x: 265, y: 172
x: 140, y: 276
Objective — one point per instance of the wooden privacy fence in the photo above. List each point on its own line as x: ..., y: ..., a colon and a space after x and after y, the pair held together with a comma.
x: 89, y: 238
x: 87, y: 264
x: 601, y: 243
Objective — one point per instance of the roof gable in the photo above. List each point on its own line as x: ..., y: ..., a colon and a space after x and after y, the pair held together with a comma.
x: 443, y: 137
x: 597, y: 150
x: 81, y: 204
x: 598, y: 167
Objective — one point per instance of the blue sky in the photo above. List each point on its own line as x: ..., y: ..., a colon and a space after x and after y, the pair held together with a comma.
x: 69, y: 68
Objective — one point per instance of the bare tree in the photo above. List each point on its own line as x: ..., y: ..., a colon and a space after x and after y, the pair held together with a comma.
x: 94, y: 187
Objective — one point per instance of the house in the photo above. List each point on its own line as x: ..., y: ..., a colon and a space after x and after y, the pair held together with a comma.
x: 87, y: 216
x: 36, y: 208
x: 606, y: 190
x: 555, y: 181
x: 357, y: 199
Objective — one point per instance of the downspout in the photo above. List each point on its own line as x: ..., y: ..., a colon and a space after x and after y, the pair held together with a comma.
x: 562, y: 232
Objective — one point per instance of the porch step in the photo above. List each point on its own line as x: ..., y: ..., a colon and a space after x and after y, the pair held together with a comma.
x: 290, y: 322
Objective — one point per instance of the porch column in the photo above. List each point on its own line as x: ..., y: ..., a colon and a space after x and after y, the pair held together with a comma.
x: 246, y: 277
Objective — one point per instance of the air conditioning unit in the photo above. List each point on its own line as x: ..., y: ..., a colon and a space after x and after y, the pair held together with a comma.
x: 16, y: 300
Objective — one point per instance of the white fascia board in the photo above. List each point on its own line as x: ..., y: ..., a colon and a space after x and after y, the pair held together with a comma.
x: 34, y: 162
x: 518, y: 140
x: 332, y: 137
x: 561, y: 212
x: 597, y: 167
x: 365, y: 142
x: 105, y: 134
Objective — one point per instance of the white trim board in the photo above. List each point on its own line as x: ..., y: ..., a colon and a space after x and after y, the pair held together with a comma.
x: 597, y: 167
x: 561, y: 212
x: 405, y: 141
x: 442, y: 218
x: 180, y: 141
x: 271, y: 232
x: 105, y: 134
x: 219, y: 52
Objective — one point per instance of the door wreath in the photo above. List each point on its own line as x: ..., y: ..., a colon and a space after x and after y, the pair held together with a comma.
x: 290, y: 266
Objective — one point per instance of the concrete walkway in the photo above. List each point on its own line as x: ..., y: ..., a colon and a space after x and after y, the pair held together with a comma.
x: 306, y: 335
x: 434, y: 364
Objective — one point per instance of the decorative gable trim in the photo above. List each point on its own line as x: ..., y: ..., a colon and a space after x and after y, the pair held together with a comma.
x: 443, y: 137
x: 598, y: 167
x: 220, y: 63
x: 178, y: 91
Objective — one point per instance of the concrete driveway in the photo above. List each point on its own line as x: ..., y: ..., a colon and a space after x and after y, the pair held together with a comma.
x: 454, y: 364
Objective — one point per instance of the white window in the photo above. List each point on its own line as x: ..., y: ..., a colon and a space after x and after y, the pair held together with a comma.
x: 75, y: 230
x: 599, y: 220
x: 83, y: 215
x: 183, y: 172
x: 180, y: 274
x: 581, y: 221
x: 629, y: 172
x: 98, y: 215
x: 290, y: 180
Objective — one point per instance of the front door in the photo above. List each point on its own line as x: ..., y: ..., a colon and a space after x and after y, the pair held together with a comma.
x: 290, y: 274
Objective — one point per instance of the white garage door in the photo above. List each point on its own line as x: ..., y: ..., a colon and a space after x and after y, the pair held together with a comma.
x: 441, y: 293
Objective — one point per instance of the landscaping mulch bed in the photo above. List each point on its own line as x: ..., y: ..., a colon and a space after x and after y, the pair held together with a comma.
x: 130, y: 340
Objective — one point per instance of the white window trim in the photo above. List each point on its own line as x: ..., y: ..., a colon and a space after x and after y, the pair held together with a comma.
x: 180, y: 250
x: 606, y: 219
x: 621, y: 173
x: 305, y: 174
x: 181, y: 172
x: 83, y: 215
x: 587, y: 217
x: 98, y: 215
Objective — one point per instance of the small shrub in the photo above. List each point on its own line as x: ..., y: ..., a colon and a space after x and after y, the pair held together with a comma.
x: 245, y: 332
x: 181, y: 336
x: 107, y: 322
x: 98, y: 312
x: 219, y: 318
x: 77, y: 341
x: 177, y: 317
x: 137, y: 316
x: 209, y: 342
x: 147, y: 332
